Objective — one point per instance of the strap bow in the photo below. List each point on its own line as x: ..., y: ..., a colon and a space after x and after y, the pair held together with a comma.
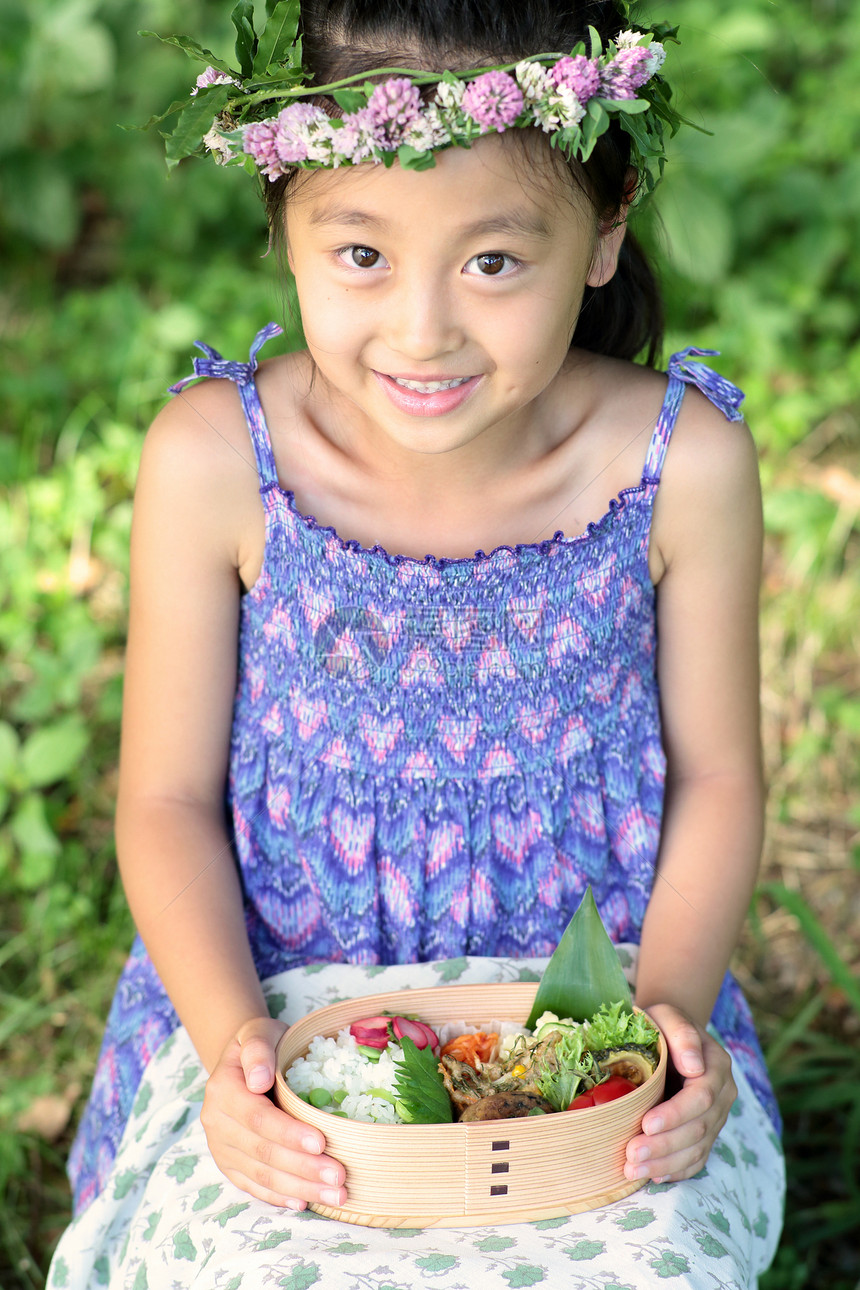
x: 216, y: 365
x: 725, y: 396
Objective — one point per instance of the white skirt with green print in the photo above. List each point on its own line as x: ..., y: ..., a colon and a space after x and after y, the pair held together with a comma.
x: 168, y: 1218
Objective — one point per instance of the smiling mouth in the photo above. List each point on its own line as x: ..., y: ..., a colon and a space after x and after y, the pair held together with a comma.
x: 429, y: 387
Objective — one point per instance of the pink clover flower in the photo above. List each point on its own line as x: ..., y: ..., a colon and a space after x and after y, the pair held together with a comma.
x: 579, y: 74
x: 494, y: 100
x: 294, y: 131
x: 259, y: 142
x: 623, y: 76
x: 392, y: 107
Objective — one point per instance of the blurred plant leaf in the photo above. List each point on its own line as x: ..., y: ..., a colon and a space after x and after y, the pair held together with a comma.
x: 699, y: 227
x: 39, y: 846
x: 193, y: 50
x: 50, y: 754
x: 812, y: 929
x: 9, y: 745
x: 195, y: 122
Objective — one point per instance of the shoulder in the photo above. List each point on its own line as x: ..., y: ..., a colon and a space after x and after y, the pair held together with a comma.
x: 199, y: 426
x: 709, y: 489
x: 708, y: 454
x: 198, y: 471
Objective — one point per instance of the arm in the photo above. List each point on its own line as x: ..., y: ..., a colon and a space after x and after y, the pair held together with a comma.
x: 708, y: 538
x: 173, y: 844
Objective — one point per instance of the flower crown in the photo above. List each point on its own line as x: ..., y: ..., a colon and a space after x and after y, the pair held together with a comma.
x: 255, y: 115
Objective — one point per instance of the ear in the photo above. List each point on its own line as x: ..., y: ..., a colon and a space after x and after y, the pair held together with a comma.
x: 609, y: 239
x: 610, y: 235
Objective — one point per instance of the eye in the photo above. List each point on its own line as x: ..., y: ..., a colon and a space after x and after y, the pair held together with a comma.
x: 492, y: 264
x: 361, y: 257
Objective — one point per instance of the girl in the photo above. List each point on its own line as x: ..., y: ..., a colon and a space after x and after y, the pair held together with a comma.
x: 339, y: 749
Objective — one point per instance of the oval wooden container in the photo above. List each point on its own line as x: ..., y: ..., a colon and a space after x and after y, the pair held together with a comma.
x: 463, y: 1175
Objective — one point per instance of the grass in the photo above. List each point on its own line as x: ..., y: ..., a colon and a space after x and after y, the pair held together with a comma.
x: 98, y: 313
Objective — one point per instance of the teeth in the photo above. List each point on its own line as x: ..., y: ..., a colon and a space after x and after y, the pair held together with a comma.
x: 429, y: 387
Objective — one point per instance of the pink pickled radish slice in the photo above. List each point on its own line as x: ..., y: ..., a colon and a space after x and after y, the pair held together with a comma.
x: 372, y: 1032
x: 420, y: 1033
x: 432, y: 1037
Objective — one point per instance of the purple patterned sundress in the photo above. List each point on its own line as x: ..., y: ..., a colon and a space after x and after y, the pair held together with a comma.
x: 432, y: 758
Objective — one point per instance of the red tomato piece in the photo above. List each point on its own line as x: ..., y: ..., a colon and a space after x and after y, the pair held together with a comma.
x: 582, y: 1100
x: 609, y: 1090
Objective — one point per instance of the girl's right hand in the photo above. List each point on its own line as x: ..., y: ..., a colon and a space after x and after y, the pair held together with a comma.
x: 256, y: 1145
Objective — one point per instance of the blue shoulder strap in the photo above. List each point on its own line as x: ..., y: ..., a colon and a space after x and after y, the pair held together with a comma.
x: 243, y: 376
x: 682, y: 372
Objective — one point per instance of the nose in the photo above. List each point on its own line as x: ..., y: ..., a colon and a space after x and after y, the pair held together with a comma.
x: 421, y: 317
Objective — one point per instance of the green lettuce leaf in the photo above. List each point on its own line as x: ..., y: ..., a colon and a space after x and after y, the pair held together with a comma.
x: 560, y: 1087
x: 612, y: 1026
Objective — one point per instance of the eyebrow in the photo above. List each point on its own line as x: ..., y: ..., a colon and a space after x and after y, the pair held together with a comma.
x: 517, y: 223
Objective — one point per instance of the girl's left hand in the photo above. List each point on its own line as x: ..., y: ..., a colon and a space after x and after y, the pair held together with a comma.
x: 677, y: 1135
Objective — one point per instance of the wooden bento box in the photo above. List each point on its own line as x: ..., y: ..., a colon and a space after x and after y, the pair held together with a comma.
x: 463, y: 1175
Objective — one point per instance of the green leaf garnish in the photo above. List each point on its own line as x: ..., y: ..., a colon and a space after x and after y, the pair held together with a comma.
x: 612, y: 1026
x: 584, y: 972
x: 421, y: 1096
x: 559, y: 1082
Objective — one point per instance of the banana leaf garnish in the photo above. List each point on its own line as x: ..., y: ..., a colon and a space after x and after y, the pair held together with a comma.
x: 584, y: 972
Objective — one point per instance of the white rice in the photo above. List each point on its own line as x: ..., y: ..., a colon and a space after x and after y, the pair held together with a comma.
x: 337, y: 1066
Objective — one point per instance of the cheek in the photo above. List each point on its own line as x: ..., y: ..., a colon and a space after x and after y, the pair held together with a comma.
x: 333, y: 321
x: 539, y: 337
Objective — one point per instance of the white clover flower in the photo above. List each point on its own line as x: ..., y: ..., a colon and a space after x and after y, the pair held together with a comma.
x: 568, y: 109
x: 212, y: 76
x: 432, y: 118
x: 534, y: 81
x: 628, y: 39
x: 318, y: 138
x: 426, y: 132
x: 656, y: 57
x: 354, y: 140
x: 448, y: 96
x: 218, y: 145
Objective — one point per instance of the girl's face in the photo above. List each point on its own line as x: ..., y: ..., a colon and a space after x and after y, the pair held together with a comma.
x: 440, y: 304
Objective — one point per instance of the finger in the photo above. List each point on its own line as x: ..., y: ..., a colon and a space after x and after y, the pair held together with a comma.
x: 229, y: 1110
x: 284, y: 1149
x: 672, y: 1167
x: 257, y: 1040
x: 257, y: 1057
x: 689, y: 1135
x: 262, y: 1178
x: 696, y: 1099
x: 255, y: 1183
x: 685, y: 1049
x: 252, y: 1117
x: 285, y: 1175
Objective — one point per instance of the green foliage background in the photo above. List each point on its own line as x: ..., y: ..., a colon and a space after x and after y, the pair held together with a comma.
x: 109, y: 275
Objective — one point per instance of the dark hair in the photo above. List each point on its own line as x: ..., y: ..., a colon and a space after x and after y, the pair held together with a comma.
x: 624, y: 317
